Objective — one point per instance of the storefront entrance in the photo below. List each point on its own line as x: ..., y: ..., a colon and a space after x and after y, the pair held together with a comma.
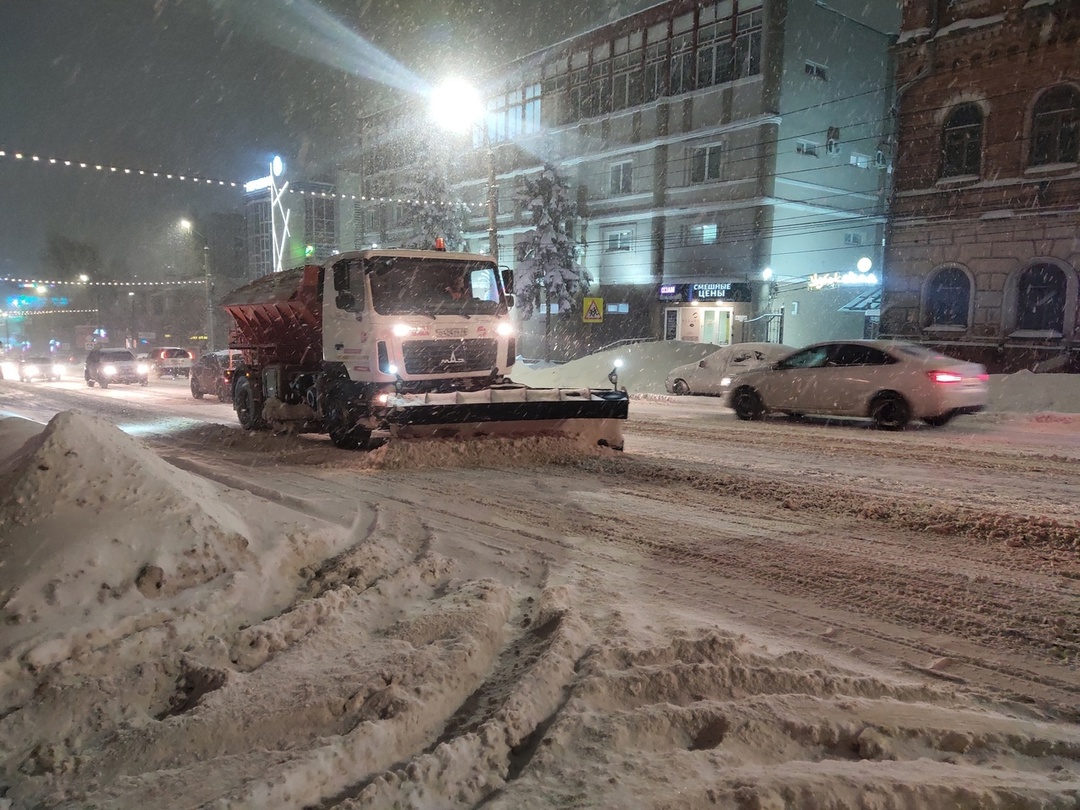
x: 697, y: 324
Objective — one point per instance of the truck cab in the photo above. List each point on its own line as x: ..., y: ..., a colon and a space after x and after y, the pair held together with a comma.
x: 418, y: 320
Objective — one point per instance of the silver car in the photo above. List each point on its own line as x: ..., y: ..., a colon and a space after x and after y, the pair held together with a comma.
x: 712, y: 375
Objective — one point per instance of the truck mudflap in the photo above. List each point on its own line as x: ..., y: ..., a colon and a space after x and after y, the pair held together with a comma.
x: 592, y: 416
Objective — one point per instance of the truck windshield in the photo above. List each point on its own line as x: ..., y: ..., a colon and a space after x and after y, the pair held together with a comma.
x: 401, y: 285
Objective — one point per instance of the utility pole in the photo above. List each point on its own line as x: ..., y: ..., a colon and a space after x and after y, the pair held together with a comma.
x: 211, y: 342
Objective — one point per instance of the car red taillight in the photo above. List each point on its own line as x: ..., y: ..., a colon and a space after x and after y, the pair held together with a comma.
x: 984, y: 377
x: 945, y: 376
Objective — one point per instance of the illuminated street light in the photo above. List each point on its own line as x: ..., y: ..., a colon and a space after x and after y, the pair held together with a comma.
x: 187, y: 225
x: 864, y: 265
x: 767, y: 273
x: 457, y: 106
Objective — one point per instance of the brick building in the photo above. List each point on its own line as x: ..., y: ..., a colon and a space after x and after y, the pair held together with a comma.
x: 983, y: 245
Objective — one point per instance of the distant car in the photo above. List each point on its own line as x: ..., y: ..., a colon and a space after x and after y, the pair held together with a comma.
x: 212, y: 374
x: 170, y: 361
x: 889, y: 382
x: 40, y: 368
x: 107, y: 366
x: 712, y: 375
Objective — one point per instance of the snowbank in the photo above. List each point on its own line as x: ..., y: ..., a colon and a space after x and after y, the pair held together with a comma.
x: 101, y: 536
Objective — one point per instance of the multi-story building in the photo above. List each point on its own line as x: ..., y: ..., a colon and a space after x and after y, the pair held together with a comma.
x: 312, y: 226
x: 984, y: 244
x: 707, y: 142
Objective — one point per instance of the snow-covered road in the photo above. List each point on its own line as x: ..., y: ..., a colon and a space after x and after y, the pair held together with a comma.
x: 940, y: 558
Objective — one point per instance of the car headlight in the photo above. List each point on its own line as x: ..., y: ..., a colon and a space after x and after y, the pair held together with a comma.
x: 142, y: 368
x: 109, y: 370
x: 725, y: 382
x: 402, y: 330
x: 32, y: 371
x: 58, y: 371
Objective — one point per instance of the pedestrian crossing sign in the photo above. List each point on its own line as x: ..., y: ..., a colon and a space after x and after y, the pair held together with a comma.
x: 593, y: 310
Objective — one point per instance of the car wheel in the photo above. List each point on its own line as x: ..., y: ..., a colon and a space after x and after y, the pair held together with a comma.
x: 680, y: 387
x: 195, y: 390
x: 940, y: 420
x: 747, y: 404
x: 89, y: 383
x: 222, y: 394
x: 247, y: 405
x: 890, y: 411
x: 144, y: 381
x: 103, y: 384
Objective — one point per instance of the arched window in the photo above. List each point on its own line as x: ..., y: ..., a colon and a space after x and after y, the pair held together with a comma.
x: 948, y: 297
x: 1055, y: 127
x: 962, y: 142
x: 1040, y: 299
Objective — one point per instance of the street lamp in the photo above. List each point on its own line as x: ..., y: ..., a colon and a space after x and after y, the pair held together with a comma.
x: 456, y: 106
x: 187, y: 225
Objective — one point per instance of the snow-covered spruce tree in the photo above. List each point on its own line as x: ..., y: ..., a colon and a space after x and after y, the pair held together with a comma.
x: 547, y: 268
x: 431, y: 210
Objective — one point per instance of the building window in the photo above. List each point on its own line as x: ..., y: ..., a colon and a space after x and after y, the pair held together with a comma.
x: 1055, y: 127
x: 804, y: 147
x: 716, y: 45
x: 531, y: 122
x: 860, y: 161
x: 962, y: 142
x: 705, y: 163
x: 617, y: 309
x: 852, y: 238
x: 816, y: 71
x: 626, y: 82
x: 948, y: 296
x: 682, y: 55
x: 748, y: 44
x: 704, y: 234
x: 655, y: 62
x: 619, y: 240
x: 621, y: 178
x: 1040, y: 299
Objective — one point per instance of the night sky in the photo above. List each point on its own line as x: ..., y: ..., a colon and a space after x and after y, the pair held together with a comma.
x: 214, y: 88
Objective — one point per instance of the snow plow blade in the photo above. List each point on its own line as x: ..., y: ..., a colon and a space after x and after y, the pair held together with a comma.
x: 589, y: 415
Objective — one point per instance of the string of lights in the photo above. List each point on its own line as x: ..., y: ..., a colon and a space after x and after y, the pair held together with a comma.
x: 21, y: 313
x: 177, y: 176
x: 58, y: 283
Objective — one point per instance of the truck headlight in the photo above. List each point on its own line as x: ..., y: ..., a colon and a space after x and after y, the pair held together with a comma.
x: 402, y: 330
x: 109, y: 371
x: 505, y: 329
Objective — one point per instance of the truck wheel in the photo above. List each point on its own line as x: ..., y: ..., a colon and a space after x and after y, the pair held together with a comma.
x: 248, y: 406
x: 344, y: 432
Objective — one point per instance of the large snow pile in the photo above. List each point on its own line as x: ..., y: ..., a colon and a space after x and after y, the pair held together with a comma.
x: 643, y: 371
x: 101, y: 536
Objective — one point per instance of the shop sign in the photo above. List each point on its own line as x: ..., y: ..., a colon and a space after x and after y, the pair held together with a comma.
x: 730, y: 291
x: 820, y: 281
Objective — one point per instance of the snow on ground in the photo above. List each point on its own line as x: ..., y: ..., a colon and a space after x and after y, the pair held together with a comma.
x: 173, y: 643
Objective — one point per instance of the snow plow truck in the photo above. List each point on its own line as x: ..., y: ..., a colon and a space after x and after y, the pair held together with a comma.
x: 414, y: 343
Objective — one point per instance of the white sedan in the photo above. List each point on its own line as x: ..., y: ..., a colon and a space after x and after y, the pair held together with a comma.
x: 713, y: 374
x: 889, y: 382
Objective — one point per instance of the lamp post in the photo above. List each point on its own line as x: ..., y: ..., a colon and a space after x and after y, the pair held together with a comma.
x: 456, y: 106
x: 211, y: 342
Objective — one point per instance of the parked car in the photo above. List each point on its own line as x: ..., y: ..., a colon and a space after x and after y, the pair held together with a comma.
x: 712, y: 375
x: 40, y: 368
x: 107, y: 366
x: 889, y: 382
x: 212, y: 374
x: 170, y: 361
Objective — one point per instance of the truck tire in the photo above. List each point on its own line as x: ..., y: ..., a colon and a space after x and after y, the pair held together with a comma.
x: 248, y: 405
x: 344, y: 432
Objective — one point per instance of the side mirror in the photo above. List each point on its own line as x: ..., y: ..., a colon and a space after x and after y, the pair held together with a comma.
x: 509, y: 300
x: 508, y: 279
x: 702, y: 364
x: 345, y: 300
